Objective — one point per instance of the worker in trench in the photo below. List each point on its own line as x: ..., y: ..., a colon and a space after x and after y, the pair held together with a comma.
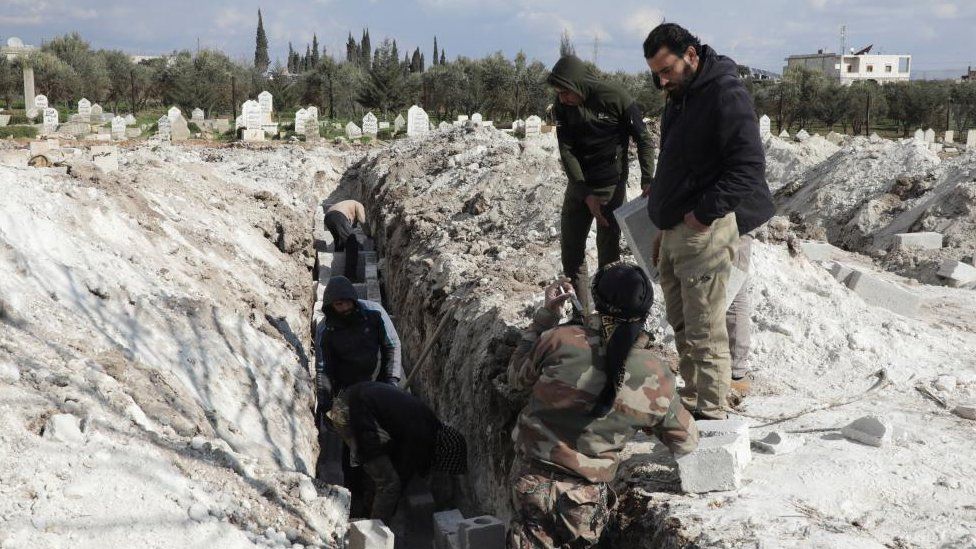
x: 354, y: 342
x: 396, y: 437
x: 595, y: 121
x: 345, y: 220
x: 590, y: 388
x: 709, y: 193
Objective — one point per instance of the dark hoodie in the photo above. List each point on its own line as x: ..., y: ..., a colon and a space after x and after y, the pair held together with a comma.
x: 347, y: 346
x: 712, y: 160
x: 594, y: 136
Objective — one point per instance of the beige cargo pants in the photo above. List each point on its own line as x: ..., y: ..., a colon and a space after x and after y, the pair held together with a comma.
x: 695, y: 268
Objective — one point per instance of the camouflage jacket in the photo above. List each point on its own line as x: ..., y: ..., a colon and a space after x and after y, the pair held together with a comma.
x: 556, y: 366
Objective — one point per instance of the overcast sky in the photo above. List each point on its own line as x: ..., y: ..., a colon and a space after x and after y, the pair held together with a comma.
x: 761, y: 33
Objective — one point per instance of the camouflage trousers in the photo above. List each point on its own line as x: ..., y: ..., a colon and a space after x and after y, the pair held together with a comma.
x: 554, y: 509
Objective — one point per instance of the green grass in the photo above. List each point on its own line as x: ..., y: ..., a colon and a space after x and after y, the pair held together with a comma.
x: 18, y: 132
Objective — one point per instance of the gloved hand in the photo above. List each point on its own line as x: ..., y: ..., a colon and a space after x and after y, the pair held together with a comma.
x: 322, y: 406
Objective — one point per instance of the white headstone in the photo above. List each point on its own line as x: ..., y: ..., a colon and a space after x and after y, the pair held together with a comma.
x: 784, y: 134
x: 971, y: 139
x: 444, y: 126
x: 251, y: 110
x: 930, y: 136
x: 40, y: 102
x: 173, y: 113
x: 300, y: 116
x: 950, y: 137
x: 399, y: 123
x: 197, y: 114
x: 920, y: 135
x: 118, y: 128
x: 418, y: 123
x: 239, y: 122
x: 476, y: 118
x: 533, y: 125
x: 84, y: 109
x: 129, y: 120
x: 384, y: 125
x: 164, y: 127
x: 96, y: 113
x: 518, y: 124
x: 50, y: 120
x: 266, y: 102
x: 764, y: 124
x: 370, y: 124
x: 313, y: 112
x: 802, y: 135
x: 462, y: 118
x: 353, y: 131
x: 311, y: 128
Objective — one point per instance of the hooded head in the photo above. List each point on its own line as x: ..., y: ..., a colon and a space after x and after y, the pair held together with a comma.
x: 570, y: 74
x: 623, y: 296
x: 340, y: 296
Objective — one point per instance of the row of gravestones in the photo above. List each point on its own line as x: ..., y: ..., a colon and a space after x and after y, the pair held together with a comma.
x: 86, y: 113
x: 926, y: 136
x: 418, y: 123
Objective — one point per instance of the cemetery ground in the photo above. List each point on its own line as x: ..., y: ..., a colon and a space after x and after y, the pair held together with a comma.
x: 155, y: 385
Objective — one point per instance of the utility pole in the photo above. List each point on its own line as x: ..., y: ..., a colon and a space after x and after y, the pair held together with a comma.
x: 233, y: 97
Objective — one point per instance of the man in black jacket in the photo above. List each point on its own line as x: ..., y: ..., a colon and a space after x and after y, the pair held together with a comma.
x: 595, y: 121
x: 395, y: 437
x: 355, y: 342
x: 709, y: 191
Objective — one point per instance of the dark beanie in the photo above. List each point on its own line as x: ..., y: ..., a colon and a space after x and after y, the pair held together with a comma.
x: 339, y: 287
x: 622, y: 292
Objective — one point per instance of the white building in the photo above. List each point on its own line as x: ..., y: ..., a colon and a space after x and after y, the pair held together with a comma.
x: 848, y: 69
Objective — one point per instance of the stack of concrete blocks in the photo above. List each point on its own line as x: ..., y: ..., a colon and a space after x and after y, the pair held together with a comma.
x: 367, y: 271
x: 453, y: 531
x: 369, y: 534
x: 921, y: 241
x: 722, y: 454
x: 875, y: 291
x: 637, y: 228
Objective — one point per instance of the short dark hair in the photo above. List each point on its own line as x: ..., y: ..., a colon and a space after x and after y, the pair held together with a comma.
x: 672, y: 36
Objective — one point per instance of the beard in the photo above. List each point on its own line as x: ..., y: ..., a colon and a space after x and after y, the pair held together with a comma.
x: 678, y: 88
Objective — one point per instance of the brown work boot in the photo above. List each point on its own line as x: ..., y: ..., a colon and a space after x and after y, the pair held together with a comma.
x: 739, y: 390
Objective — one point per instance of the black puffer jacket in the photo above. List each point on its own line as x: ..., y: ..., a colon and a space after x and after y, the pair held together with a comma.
x: 712, y: 160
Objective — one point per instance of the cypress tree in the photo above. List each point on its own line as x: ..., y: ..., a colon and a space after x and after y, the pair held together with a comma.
x: 435, y: 52
x: 365, y: 50
x: 443, y: 58
x: 423, y: 63
x: 261, y: 59
x: 415, y: 61
x: 315, y: 50
x: 352, y: 51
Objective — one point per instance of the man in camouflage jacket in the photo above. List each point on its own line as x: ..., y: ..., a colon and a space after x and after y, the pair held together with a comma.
x: 567, y: 448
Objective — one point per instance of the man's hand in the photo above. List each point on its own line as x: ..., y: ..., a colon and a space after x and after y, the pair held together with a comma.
x: 656, y: 248
x: 693, y: 222
x: 558, y: 293
x: 595, y: 205
x: 646, y: 191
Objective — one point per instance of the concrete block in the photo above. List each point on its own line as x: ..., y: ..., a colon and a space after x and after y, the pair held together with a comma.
x: 879, y: 293
x: 637, y: 228
x: 816, y: 250
x: 966, y: 410
x: 64, y: 428
x: 957, y: 272
x: 778, y: 443
x: 714, y: 466
x: 373, y: 292
x: 922, y: 241
x: 369, y: 534
x: 339, y: 263
x: 361, y: 290
x: 372, y: 272
x: 446, y: 528
x: 485, y: 532
x: 253, y: 135
x: 870, y: 430
x: 724, y: 427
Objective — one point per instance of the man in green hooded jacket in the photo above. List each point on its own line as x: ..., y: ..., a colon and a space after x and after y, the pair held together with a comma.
x: 595, y: 121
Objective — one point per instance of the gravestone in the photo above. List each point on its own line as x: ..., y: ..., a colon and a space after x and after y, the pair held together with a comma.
x: 784, y: 134
x: 118, y: 128
x: 418, y: 123
x: 444, y: 126
x: 130, y: 120
x: 84, y: 109
x: 300, y: 116
x: 311, y: 129
x: 518, y: 125
x: 370, y: 126
x: 163, y: 127
x: 476, y: 118
x: 221, y: 125
x: 266, y: 103
x: 239, y: 122
x: 802, y: 135
x: 398, y: 123
x: 197, y: 115
x: 950, y: 137
x: 50, y: 120
x: 179, y: 130
x: 971, y: 139
x: 253, y: 135
x: 384, y: 125
x: 312, y: 112
x: 764, y: 124
x: 251, y: 110
x: 920, y: 135
x: 172, y: 113
x: 462, y: 118
x: 533, y: 126
x: 353, y: 131
x: 930, y: 136
x: 40, y: 103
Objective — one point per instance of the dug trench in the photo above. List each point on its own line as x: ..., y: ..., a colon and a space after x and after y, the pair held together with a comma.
x: 466, y: 243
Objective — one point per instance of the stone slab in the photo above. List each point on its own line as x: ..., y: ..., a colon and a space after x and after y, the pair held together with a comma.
x: 446, y: 528
x: 816, y: 250
x: 369, y: 534
x: 639, y: 231
x: 923, y: 241
x: 966, y: 410
x: 253, y: 135
x: 870, y: 430
x: 106, y: 157
x: 484, y: 532
x: 714, y: 466
x: 64, y: 428
x: 880, y: 293
x: 840, y: 271
x: 725, y: 427
x: 958, y: 273
x: 778, y: 443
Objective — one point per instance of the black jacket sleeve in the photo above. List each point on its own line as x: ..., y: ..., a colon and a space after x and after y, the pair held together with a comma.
x: 566, y: 142
x: 743, y: 160
x: 642, y: 137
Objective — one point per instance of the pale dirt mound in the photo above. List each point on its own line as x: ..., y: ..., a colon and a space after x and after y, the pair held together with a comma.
x: 161, y: 305
x: 787, y: 160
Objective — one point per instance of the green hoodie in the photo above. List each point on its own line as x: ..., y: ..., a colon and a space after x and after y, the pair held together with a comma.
x: 593, y: 137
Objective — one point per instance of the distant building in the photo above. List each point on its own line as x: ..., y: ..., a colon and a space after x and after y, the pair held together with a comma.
x: 857, y: 66
x: 970, y: 75
x: 760, y: 74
